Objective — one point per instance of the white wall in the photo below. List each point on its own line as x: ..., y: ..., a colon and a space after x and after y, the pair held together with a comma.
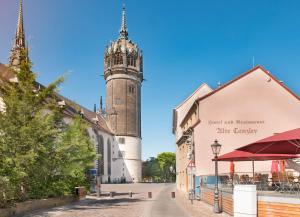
x: 130, y: 164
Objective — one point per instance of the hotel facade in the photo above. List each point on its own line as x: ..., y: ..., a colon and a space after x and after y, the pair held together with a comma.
x: 250, y: 107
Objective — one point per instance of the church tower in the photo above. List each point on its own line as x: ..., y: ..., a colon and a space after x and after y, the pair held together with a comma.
x: 19, y: 44
x: 123, y: 73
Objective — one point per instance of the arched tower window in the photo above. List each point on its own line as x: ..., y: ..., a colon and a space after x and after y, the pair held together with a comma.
x: 131, y: 60
x: 107, y: 61
x: 108, y: 157
x: 118, y: 59
x: 141, y: 64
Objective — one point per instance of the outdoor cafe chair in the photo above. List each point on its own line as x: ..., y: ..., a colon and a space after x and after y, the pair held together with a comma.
x: 257, y: 180
x: 281, y: 182
x: 277, y: 182
x: 294, y: 184
x: 236, y: 179
x: 244, y: 179
x: 264, y: 183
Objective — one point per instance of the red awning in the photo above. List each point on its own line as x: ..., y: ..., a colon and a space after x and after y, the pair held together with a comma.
x: 281, y: 143
x: 247, y: 156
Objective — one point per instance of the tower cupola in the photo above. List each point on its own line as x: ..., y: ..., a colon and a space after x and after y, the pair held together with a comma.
x: 123, y: 54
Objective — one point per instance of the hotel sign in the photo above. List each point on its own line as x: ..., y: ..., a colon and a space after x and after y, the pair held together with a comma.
x: 245, y: 127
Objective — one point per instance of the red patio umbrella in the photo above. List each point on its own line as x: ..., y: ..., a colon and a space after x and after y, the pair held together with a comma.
x: 274, y: 166
x: 247, y: 156
x: 238, y: 155
x: 281, y: 143
x: 282, y: 165
x: 231, y: 168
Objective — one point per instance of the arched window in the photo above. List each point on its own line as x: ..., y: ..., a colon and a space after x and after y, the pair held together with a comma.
x: 108, y: 157
x: 100, y: 152
x: 141, y: 64
x: 107, y: 62
x: 118, y: 60
x: 131, y: 60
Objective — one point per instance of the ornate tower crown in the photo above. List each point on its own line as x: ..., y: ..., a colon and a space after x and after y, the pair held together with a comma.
x: 123, y: 55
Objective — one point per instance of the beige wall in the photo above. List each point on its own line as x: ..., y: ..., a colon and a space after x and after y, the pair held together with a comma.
x: 255, y: 97
x: 181, y: 157
x: 182, y: 161
x: 185, y: 106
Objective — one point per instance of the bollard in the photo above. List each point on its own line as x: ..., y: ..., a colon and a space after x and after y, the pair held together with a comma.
x: 149, y: 194
x: 130, y: 193
x: 111, y: 194
x: 173, y: 194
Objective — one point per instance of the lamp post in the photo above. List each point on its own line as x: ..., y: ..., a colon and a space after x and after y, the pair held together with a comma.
x: 171, y: 172
x: 216, y: 147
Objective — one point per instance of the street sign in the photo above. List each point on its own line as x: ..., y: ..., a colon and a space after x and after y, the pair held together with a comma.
x: 191, y: 170
x: 191, y: 164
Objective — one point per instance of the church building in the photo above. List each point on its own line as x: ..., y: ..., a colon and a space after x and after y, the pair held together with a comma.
x: 116, y: 130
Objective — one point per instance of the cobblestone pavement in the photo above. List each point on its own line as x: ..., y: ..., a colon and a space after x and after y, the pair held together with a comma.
x: 160, y: 205
x: 165, y: 206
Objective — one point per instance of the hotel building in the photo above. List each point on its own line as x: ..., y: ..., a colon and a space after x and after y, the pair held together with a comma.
x: 250, y: 107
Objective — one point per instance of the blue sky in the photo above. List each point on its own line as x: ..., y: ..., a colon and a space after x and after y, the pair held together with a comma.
x: 185, y: 43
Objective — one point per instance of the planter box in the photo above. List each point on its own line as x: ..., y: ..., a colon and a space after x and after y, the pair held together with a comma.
x: 33, y: 205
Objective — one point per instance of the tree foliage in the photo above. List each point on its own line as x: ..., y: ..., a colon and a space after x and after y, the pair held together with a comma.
x: 167, y: 161
x: 159, y: 169
x: 40, y: 156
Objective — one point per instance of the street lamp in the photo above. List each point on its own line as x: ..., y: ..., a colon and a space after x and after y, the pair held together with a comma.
x: 216, y: 147
x: 171, y: 172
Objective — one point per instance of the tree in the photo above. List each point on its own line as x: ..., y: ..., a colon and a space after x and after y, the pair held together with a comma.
x: 151, y: 169
x: 40, y: 156
x: 166, y: 160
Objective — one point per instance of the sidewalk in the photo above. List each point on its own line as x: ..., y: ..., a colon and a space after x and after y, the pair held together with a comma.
x: 198, y: 208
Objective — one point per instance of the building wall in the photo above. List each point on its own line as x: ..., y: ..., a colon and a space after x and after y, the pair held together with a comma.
x: 182, y: 179
x: 123, y: 99
x: 127, y: 159
x: 182, y: 109
x: 106, y: 158
x: 179, y: 113
x: 255, y: 97
x: 123, y: 96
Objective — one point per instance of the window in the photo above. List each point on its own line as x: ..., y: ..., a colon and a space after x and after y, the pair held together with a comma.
x: 131, y: 61
x: 131, y: 89
x: 118, y: 59
x: 108, y: 157
x: 122, y: 140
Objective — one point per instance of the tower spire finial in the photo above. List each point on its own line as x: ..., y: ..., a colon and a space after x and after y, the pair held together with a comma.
x: 123, y: 30
x: 19, y: 44
x: 20, y: 35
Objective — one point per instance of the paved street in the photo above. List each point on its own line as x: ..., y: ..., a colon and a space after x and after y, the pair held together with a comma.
x: 160, y: 205
x: 165, y: 206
